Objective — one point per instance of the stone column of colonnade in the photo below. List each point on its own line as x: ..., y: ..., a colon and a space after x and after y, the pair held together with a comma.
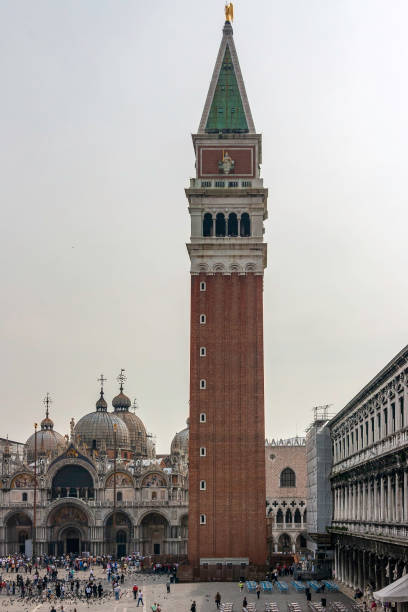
x: 382, y: 498
x: 378, y: 498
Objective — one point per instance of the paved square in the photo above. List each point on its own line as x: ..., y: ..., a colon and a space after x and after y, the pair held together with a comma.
x: 179, y: 599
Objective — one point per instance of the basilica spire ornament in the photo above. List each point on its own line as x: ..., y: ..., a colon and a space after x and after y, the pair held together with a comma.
x: 121, y: 379
x: 47, y: 402
x: 102, y: 380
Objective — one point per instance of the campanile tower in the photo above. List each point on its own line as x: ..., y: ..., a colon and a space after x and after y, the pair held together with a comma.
x: 227, y: 206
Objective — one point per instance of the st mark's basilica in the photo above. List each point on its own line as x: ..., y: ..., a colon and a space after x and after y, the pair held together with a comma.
x: 102, y: 489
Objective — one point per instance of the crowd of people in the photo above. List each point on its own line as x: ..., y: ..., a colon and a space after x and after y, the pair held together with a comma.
x: 68, y: 576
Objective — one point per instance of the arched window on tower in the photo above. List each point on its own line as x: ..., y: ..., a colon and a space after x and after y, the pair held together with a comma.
x: 208, y: 225
x: 288, y: 516
x: 288, y: 478
x: 233, y: 225
x: 245, y: 225
x: 220, y: 225
x: 279, y: 516
x: 298, y: 518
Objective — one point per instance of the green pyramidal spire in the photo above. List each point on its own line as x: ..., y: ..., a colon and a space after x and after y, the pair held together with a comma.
x: 227, y: 108
x: 227, y: 111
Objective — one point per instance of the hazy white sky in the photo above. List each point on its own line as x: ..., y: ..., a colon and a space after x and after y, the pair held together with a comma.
x: 98, y: 101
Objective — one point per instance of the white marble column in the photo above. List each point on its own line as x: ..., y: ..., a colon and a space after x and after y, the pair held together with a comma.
x: 397, y: 516
x: 364, y: 502
x: 371, y: 498
x: 405, y: 496
x: 359, y: 501
x: 382, y: 499
x: 389, y: 499
x: 337, y: 507
x: 343, y: 493
x: 375, y: 500
x: 354, y: 501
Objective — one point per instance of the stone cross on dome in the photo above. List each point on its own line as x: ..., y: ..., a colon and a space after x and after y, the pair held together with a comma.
x: 47, y: 401
x: 102, y: 380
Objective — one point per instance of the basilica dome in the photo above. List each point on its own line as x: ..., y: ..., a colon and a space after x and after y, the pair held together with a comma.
x: 49, y: 442
x: 96, y: 429
x: 137, y: 431
x: 179, y: 445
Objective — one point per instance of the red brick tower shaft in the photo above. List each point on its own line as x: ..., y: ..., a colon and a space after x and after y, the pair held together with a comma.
x: 227, y: 205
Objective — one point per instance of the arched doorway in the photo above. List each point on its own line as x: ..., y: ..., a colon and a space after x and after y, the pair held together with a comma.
x: 18, y: 531
x: 284, y: 543
x: 72, y: 481
x: 301, y: 543
x: 121, y: 541
x: 118, y: 533
x: 71, y: 539
x: 68, y: 530
x: 154, y: 530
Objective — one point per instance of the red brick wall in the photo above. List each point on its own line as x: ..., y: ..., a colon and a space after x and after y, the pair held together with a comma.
x: 233, y: 435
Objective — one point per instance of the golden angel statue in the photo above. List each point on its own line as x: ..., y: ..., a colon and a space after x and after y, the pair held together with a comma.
x: 229, y: 12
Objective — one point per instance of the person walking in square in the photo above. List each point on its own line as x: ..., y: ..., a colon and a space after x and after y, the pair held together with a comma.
x: 140, y: 598
x: 218, y: 600
x: 258, y: 590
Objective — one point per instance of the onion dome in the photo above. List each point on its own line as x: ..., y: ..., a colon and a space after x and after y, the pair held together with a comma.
x: 97, y: 431
x: 121, y: 402
x: 47, y: 423
x: 137, y: 431
x: 101, y: 404
x: 49, y: 442
x: 179, y: 445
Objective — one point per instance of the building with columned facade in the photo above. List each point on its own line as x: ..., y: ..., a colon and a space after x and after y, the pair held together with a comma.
x: 369, y: 480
